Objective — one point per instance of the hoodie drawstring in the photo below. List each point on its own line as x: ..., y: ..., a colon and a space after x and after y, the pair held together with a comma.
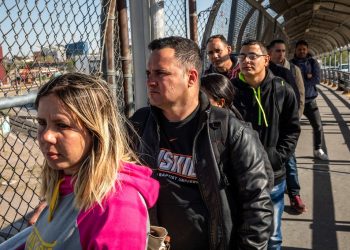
x: 261, y: 109
x: 257, y: 97
x: 54, y: 199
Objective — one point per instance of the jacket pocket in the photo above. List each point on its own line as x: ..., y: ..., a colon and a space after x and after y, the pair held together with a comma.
x: 274, y: 158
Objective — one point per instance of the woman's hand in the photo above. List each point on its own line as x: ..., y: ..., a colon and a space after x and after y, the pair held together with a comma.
x: 37, y: 211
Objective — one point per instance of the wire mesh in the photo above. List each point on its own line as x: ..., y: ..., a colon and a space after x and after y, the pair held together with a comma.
x: 42, y: 38
x: 175, y: 18
x: 20, y: 161
x: 39, y: 40
x: 222, y: 19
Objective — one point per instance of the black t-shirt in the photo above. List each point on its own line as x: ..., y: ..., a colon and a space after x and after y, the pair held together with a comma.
x: 180, y: 207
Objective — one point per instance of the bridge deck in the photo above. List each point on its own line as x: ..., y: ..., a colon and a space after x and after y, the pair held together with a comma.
x: 325, y: 185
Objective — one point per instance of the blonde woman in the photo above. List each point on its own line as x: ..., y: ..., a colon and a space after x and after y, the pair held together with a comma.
x: 90, y: 181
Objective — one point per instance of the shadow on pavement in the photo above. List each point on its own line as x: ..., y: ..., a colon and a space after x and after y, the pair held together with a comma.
x: 294, y: 248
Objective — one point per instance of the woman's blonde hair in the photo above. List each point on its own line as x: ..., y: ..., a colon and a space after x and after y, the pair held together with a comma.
x: 92, y: 101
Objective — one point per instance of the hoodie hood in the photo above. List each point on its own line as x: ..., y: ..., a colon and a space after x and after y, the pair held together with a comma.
x: 139, y: 177
x: 130, y: 174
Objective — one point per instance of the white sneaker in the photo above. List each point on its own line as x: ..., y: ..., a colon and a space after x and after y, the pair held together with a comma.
x: 320, y: 154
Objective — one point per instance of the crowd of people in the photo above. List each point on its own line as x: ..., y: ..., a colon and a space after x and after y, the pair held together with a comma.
x: 210, y: 157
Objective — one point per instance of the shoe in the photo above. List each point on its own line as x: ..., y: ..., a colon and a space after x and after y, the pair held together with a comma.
x: 297, y: 204
x: 320, y: 154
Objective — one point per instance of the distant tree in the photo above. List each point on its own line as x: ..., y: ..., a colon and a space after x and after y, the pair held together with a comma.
x: 70, y: 65
x: 49, y: 59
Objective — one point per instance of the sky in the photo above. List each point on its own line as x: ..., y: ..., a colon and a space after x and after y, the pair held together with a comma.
x: 25, y: 26
x: 203, y: 4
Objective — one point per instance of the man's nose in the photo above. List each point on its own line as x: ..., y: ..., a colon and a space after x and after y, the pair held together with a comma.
x: 151, y: 80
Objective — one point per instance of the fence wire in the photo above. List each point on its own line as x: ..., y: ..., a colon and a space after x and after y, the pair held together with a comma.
x: 175, y: 18
x: 42, y: 38
x: 20, y: 170
x: 245, y: 24
x: 39, y: 40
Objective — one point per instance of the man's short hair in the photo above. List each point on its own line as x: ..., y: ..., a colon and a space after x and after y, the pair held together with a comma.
x: 186, y: 50
x: 250, y: 42
x: 218, y: 36
x: 302, y: 42
x: 274, y: 42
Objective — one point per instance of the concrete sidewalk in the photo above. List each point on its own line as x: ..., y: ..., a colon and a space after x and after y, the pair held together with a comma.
x: 325, y: 185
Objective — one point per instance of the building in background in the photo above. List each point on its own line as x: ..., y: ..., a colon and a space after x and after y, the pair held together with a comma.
x: 76, y: 49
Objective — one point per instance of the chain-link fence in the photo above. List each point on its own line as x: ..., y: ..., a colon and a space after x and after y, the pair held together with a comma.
x: 20, y: 163
x: 42, y: 38
x: 38, y: 40
x: 237, y: 21
x: 176, y: 18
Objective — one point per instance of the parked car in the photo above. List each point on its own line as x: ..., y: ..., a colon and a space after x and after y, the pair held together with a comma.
x: 343, y: 68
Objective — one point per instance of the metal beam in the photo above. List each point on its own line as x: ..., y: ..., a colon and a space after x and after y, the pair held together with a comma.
x: 292, y: 8
x: 334, y: 35
x: 231, y: 26
x: 16, y: 101
x: 305, y: 13
x: 140, y: 37
x: 309, y: 38
x: 257, y: 5
x: 193, y: 20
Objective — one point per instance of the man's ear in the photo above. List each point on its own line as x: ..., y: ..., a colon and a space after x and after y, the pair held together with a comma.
x: 229, y: 49
x: 193, y: 77
x: 221, y: 102
x: 267, y: 60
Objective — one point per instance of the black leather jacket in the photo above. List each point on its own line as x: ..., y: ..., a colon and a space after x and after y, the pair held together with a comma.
x: 280, y: 135
x: 240, y: 210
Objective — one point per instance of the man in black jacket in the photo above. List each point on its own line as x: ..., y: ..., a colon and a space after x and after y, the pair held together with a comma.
x: 270, y: 105
x: 214, y: 188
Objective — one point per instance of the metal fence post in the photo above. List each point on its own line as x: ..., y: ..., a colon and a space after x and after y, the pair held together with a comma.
x: 140, y: 34
x: 107, y: 36
x: 125, y: 56
x: 193, y: 20
x: 157, y: 19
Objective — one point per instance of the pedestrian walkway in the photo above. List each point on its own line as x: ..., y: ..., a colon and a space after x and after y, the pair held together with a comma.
x: 325, y: 185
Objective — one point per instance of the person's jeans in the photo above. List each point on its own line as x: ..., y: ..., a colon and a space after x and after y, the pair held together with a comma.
x: 292, y: 179
x: 313, y: 115
x: 277, y: 197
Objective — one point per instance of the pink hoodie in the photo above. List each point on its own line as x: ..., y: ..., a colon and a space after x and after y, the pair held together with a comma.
x: 120, y: 224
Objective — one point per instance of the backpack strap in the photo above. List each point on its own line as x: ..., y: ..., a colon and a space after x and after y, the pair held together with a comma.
x: 218, y: 133
x: 279, y: 86
x: 139, y: 119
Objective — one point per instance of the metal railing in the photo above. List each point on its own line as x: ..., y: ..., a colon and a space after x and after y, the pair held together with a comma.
x: 40, y: 39
x: 336, y: 78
